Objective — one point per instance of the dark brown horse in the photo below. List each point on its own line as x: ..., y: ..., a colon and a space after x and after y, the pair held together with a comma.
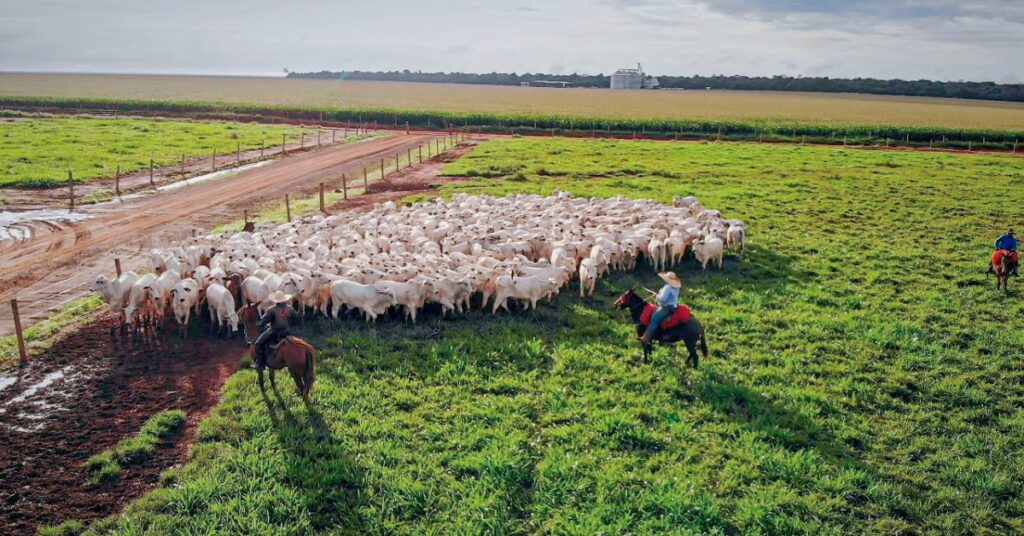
x: 690, y: 332
x: 1003, y: 269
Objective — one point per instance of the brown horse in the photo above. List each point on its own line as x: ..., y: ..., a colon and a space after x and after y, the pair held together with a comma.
x: 249, y: 316
x: 298, y: 356
x: 1002, y: 269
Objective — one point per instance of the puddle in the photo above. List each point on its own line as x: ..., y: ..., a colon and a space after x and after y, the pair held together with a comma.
x: 17, y: 224
x: 224, y: 173
x: 42, y: 384
x: 7, y: 381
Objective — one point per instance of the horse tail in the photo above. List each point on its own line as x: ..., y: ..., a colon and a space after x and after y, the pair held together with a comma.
x: 310, y: 373
x: 703, y: 344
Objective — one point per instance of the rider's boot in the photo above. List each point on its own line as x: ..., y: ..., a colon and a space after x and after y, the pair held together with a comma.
x: 1013, y: 271
x: 990, y: 269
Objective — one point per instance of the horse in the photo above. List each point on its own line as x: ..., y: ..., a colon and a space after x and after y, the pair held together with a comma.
x: 690, y: 332
x: 293, y: 352
x: 1002, y: 269
x: 298, y: 356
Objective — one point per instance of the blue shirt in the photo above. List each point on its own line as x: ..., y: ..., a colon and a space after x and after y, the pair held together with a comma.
x: 668, y: 296
x: 1006, y: 242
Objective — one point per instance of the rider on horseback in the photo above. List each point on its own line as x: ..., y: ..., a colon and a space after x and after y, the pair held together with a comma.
x: 668, y: 300
x: 1005, y: 245
x: 277, y: 321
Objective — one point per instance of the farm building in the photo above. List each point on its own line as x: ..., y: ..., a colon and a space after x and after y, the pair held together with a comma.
x: 633, y: 79
x: 546, y: 83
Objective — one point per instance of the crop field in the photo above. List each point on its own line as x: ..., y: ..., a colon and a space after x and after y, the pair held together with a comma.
x: 39, y: 152
x: 864, y: 378
x: 525, y: 106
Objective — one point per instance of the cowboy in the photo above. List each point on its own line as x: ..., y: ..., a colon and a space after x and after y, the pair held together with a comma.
x: 668, y: 299
x: 1005, y: 245
x: 277, y: 321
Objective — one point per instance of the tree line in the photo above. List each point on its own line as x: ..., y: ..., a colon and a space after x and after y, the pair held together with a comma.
x: 875, y: 86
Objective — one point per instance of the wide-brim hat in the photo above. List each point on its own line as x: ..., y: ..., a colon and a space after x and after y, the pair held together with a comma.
x: 280, y: 297
x: 672, y: 279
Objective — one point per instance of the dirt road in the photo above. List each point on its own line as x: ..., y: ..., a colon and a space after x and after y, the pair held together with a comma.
x: 53, y: 268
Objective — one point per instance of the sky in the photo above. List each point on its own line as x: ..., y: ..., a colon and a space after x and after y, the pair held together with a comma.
x: 910, y: 39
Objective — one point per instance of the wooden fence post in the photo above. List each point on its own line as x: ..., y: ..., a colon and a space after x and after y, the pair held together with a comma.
x: 333, y: 135
x: 366, y: 182
x: 1015, y: 146
x: 318, y: 137
x: 287, y: 208
x: 151, y: 183
x: 419, y: 149
x: 284, y: 145
x: 213, y: 164
x: 344, y: 187
x: 238, y: 152
x: 262, y: 144
x: 302, y: 139
x: 117, y: 181
x: 322, y: 198
x: 182, y: 163
x: 22, y: 352
x: 408, y: 156
x: 406, y: 127
x: 396, y: 162
x: 71, y: 191
x: 382, y: 169
x: 245, y: 216
x: 117, y: 266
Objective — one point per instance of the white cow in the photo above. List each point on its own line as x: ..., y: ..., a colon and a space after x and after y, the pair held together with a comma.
x: 709, y: 250
x: 222, y: 307
x: 184, y: 299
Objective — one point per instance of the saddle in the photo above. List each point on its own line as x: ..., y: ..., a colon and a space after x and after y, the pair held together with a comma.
x: 680, y: 316
x: 290, y: 339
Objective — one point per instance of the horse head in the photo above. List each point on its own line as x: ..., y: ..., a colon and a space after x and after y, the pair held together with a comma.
x: 623, y: 301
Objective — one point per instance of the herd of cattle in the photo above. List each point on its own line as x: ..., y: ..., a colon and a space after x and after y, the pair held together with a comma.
x: 524, y: 247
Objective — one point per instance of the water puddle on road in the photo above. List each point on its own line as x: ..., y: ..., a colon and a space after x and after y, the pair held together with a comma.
x: 222, y: 174
x: 17, y: 225
x: 38, y: 386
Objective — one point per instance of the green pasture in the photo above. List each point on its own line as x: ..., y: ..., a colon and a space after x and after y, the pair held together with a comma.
x: 39, y: 152
x: 864, y: 378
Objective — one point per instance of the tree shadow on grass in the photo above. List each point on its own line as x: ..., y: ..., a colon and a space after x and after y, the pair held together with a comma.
x: 317, y: 466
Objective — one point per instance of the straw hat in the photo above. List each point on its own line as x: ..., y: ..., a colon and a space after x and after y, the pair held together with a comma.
x: 672, y: 279
x: 280, y: 297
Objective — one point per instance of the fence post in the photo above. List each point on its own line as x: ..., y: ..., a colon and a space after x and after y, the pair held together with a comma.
x: 333, y: 135
x: 117, y: 181
x: 262, y: 143
x: 844, y: 142
x: 322, y: 198
x: 287, y: 208
x: 238, y: 152
x: 1014, y: 146
x: 408, y: 156
x: 302, y: 139
x: 245, y: 216
x: 382, y: 169
x: 970, y: 144
x: 284, y: 145
x: 151, y: 172
x: 213, y: 164
x: 344, y: 187
x: 318, y: 137
x: 71, y: 191
x: 396, y: 162
x: 407, y: 127
x: 117, y: 266
x: 419, y: 149
x: 366, y: 182
x: 22, y: 352
x: 182, y: 163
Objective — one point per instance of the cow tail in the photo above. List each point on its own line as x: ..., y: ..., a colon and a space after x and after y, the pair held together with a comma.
x: 703, y: 345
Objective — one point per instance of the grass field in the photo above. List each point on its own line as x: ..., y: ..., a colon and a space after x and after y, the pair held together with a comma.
x: 728, y: 105
x: 865, y: 377
x: 39, y: 152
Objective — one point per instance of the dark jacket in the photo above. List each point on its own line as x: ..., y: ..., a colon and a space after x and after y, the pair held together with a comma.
x: 280, y: 318
x: 1006, y: 242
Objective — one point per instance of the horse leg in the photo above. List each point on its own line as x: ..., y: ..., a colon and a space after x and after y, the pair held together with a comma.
x: 259, y: 373
x: 691, y: 347
x: 273, y: 384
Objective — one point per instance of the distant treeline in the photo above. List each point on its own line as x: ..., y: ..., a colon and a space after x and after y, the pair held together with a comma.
x: 914, y: 88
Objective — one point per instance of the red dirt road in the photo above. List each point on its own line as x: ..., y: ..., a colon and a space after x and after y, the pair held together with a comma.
x: 52, y: 268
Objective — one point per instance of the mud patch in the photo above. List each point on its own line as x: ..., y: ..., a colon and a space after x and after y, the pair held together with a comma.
x: 83, y: 396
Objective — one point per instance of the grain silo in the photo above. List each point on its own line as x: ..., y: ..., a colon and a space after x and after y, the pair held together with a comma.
x: 628, y: 78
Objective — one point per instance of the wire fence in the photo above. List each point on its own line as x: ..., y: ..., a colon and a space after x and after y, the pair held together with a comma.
x: 68, y: 302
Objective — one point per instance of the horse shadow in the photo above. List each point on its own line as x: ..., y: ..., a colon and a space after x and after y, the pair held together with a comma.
x: 317, y: 465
